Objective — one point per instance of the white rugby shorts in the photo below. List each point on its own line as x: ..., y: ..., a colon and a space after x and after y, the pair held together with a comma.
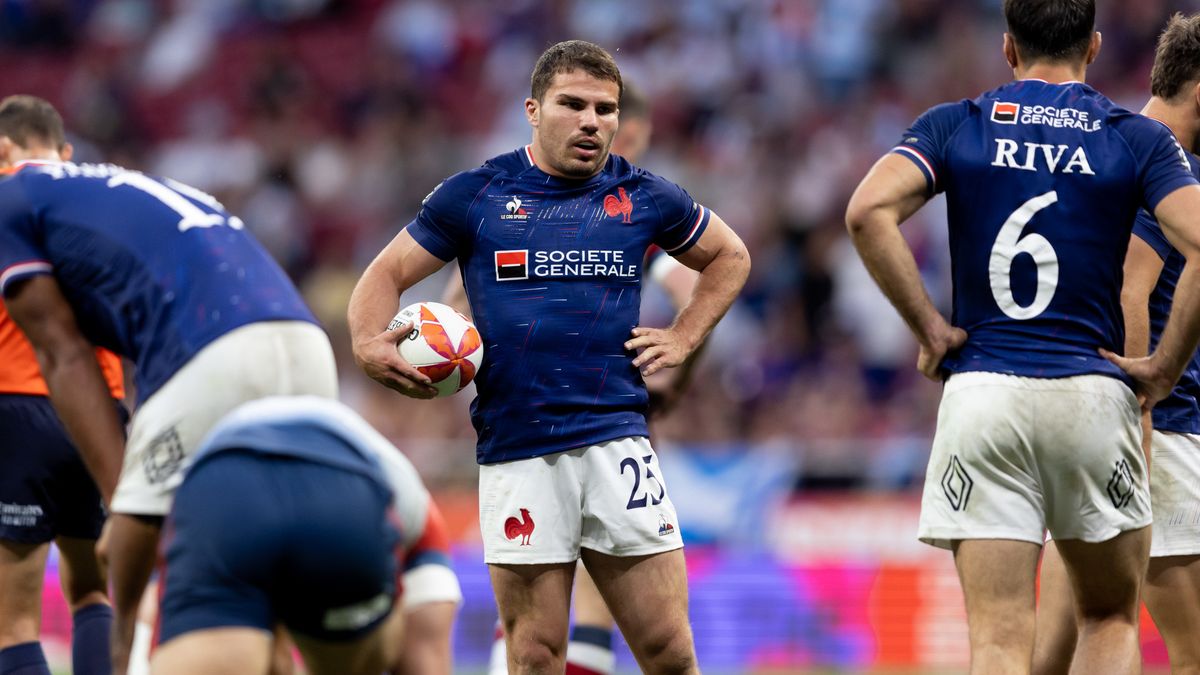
x: 1175, y: 494
x: 1014, y: 456
x: 270, y: 358
x: 610, y: 498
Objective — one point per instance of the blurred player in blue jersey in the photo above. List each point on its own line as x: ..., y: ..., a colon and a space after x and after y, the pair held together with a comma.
x: 589, y: 651
x: 294, y: 511
x: 1037, y: 429
x: 1152, y: 272
x: 550, y: 240
x: 161, y: 274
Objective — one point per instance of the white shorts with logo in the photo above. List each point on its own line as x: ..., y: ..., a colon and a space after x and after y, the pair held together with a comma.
x: 1015, y: 456
x: 270, y: 358
x: 609, y: 497
x: 1175, y: 493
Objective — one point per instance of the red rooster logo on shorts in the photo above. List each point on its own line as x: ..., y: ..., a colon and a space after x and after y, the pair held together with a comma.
x: 514, y: 528
x: 622, y: 206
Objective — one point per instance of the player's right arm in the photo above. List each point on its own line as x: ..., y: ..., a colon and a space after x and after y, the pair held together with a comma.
x: 375, y: 300
x: 77, y: 387
x: 1179, y: 215
x: 890, y: 193
x: 436, y: 236
x: 895, y: 188
x: 1143, y: 264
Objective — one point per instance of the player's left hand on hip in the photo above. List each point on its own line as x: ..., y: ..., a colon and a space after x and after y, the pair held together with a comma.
x: 660, y: 348
x: 1150, y: 384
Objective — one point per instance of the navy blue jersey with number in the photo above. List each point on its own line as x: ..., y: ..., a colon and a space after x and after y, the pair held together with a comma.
x: 154, y: 269
x: 1180, y: 410
x: 1042, y: 184
x: 553, y: 270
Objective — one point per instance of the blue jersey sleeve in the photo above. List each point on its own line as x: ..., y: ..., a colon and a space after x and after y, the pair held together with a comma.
x: 20, y: 255
x: 682, y: 219
x: 1162, y: 164
x: 442, y: 226
x: 924, y: 143
x: 1146, y: 228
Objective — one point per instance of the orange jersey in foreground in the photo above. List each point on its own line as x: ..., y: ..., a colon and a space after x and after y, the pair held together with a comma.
x: 19, y: 372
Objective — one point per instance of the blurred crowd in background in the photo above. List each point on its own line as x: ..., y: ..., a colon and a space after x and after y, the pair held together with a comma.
x: 323, y: 123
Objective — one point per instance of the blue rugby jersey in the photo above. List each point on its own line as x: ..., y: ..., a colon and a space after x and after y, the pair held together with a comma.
x: 553, y: 271
x: 1179, y: 411
x: 154, y: 269
x: 1042, y: 184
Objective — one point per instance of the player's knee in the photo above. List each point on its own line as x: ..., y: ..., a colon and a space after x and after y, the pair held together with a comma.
x: 669, y: 653
x: 536, y: 656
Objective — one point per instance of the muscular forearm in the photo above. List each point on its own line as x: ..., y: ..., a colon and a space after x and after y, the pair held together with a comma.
x: 1137, y: 329
x: 84, y: 404
x: 716, y: 288
x: 372, y: 304
x: 1182, y: 332
x: 890, y: 262
x: 129, y: 550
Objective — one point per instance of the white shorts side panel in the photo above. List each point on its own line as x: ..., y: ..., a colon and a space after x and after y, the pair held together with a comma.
x: 1175, y: 493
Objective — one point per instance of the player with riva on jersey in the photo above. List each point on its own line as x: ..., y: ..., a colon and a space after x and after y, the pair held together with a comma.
x: 566, y: 471
x: 1037, y: 429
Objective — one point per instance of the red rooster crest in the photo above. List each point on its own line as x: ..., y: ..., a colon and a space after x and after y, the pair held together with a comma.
x: 514, y: 528
x: 621, y: 205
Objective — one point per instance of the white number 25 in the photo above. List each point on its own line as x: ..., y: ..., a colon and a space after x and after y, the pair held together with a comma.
x: 1010, y: 243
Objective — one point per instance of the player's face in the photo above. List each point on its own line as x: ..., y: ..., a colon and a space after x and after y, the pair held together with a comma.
x: 633, y: 139
x: 574, y: 124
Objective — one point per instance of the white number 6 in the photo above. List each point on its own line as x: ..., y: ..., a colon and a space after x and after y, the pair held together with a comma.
x: 1010, y: 243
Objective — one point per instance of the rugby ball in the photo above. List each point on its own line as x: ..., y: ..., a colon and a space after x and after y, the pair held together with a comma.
x: 443, y: 344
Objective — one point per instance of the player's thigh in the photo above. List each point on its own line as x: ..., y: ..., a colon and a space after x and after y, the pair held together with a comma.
x: 590, y: 608
x: 276, y: 358
x: 534, y: 601
x: 1090, y: 460
x: 22, y: 567
x: 648, y: 598
x: 214, y: 651
x: 627, y: 508
x: 1106, y: 577
x: 1172, y: 594
x: 366, y: 654
x: 427, y: 631
x: 998, y: 581
x: 980, y: 482
x: 1056, y: 630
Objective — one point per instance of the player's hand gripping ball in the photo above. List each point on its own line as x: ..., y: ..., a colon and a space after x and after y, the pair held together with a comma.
x: 443, y: 344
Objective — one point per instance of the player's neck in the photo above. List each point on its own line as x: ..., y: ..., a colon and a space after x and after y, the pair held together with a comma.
x: 1052, y: 72
x: 34, y: 155
x: 1179, y: 119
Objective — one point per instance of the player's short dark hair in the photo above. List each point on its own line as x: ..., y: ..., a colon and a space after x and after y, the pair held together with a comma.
x: 1177, y: 59
x: 1051, y: 30
x: 565, y: 57
x: 634, y: 102
x: 31, y: 120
